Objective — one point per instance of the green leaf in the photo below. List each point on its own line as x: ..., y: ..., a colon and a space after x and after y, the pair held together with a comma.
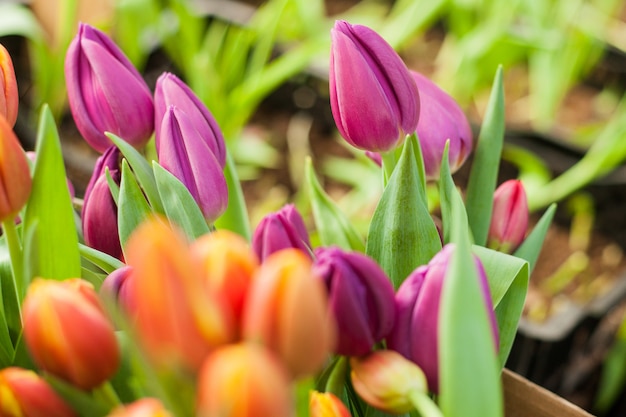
x: 484, y: 172
x: 402, y: 234
x: 469, y: 371
x: 104, y: 261
x: 133, y: 208
x: 8, y: 303
x: 50, y: 237
x: 180, y: 206
x: 446, y: 193
x: 613, y: 377
x: 81, y: 401
x: 531, y: 247
x: 302, y: 389
x: 333, y: 226
x: 235, y: 218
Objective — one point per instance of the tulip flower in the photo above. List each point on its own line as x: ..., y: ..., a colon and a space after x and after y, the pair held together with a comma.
x: 415, y: 333
x: 68, y: 333
x: 144, y: 407
x: 171, y: 91
x: 115, y: 287
x: 227, y: 264
x: 23, y: 393
x: 177, y: 319
x: 373, y: 98
x: 361, y: 297
x: 183, y: 152
x: 9, y: 98
x: 509, y: 218
x: 386, y: 380
x: 326, y: 404
x: 243, y: 380
x: 287, y: 310
x: 281, y: 230
x: 15, y: 180
x: 106, y: 93
x: 441, y: 119
x: 99, y: 213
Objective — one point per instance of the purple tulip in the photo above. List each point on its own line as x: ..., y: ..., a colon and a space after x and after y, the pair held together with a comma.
x: 361, y: 298
x: 441, y: 119
x: 185, y: 154
x: 280, y: 230
x: 509, y: 218
x: 415, y: 334
x: 171, y: 91
x: 99, y: 214
x: 106, y: 93
x: 373, y: 97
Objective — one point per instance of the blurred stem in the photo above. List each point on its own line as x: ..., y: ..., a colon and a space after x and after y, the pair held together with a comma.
x: 337, y: 377
x: 390, y: 160
x: 17, y: 258
x: 106, y: 394
x: 235, y: 218
x: 424, y: 404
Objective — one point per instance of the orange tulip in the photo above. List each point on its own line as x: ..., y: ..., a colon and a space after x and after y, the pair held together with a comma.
x: 145, y: 407
x: 15, y: 181
x: 326, y: 404
x: 177, y: 318
x: 23, y: 393
x: 8, y: 88
x: 243, y: 380
x: 228, y: 263
x: 287, y: 310
x: 68, y: 333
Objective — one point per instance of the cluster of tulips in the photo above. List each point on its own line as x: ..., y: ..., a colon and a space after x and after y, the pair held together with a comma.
x: 213, y: 324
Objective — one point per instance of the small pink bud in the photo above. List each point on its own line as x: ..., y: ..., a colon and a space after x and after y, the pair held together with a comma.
x: 509, y: 219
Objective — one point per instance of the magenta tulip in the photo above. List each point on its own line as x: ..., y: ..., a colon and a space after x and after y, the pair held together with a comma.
x: 281, y: 230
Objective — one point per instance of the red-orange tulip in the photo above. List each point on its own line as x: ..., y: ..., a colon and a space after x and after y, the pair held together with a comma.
x: 145, y: 407
x: 15, y: 181
x: 23, y: 393
x: 68, y: 333
x: 287, y: 310
x: 8, y: 88
x: 326, y: 404
x: 243, y: 380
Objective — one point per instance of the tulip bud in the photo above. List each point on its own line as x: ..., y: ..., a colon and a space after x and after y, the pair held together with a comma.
x: 115, y: 286
x: 106, y: 92
x: 184, y: 153
x: 287, y: 310
x: 178, y: 320
x: 9, y: 98
x: 373, y: 98
x: 227, y: 264
x: 441, y: 119
x: 23, y: 393
x: 145, y: 407
x: 243, y: 380
x: 384, y: 379
x: 326, y: 404
x: 509, y: 218
x: 15, y: 180
x: 281, y: 230
x: 56, y: 317
x: 361, y: 297
x: 415, y: 334
x: 171, y: 91
x: 99, y: 213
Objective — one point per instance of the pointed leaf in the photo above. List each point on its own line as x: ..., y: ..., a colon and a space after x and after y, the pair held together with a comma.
x: 446, y: 193
x: 8, y: 304
x: 133, y: 208
x: 104, y: 261
x: 531, y: 247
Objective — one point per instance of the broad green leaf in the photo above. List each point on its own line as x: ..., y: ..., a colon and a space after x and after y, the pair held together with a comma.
x: 235, y: 218
x: 470, y: 384
x: 180, y: 206
x: 402, y: 234
x: 133, y: 208
x: 333, y: 226
x: 484, y: 172
x: 50, y: 237
x: 531, y: 247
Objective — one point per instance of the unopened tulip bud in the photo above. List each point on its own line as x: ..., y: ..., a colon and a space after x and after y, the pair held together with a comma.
x: 177, y: 318
x: 99, y: 213
x: 281, y: 230
x: 106, y: 93
x: 145, y: 407
x: 15, y: 180
x: 243, y: 380
x: 361, y: 297
x: 441, y: 119
x: 185, y: 153
x: 415, y: 333
x: 326, y: 404
x: 374, y: 99
x: 385, y: 379
x: 9, y: 98
x: 287, y: 310
x: 509, y: 218
x: 68, y: 333
x: 115, y: 286
x: 171, y: 91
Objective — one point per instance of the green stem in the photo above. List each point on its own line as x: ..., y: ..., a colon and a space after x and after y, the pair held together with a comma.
x: 337, y: 378
x: 17, y: 258
x: 424, y: 404
x: 107, y: 395
x: 235, y: 218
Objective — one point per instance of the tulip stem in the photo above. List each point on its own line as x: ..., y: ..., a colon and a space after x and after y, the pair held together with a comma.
x: 424, y: 404
x: 17, y: 257
x: 107, y: 395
